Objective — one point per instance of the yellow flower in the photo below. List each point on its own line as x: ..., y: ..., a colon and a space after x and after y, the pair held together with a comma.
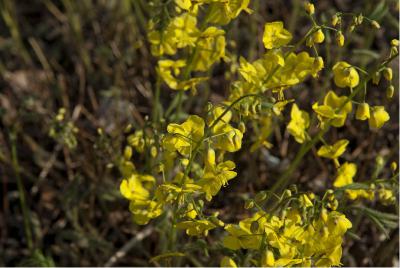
x: 184, y: 29
x: 388, y: 73
x: 222, y: 12
x: 210, y: 48
x: 224, y: 136
x: 310, y: 9
x: 300, y: 121
x: 184, y: 4
x: 196, y: 227
x: 355, y: 194
x: 305, y: 201
x: 346, y: 172
x: 133, y: 189
x: 386, y: 196
x: 340, y: 39
x: 275, y: 35
x: 215, y: 177
x: 144, y: 210
x: 169, y: 70
x: 378, y: 117
x: 345, y: 75
x: 168, y: 192
x: 333, y: 151
x: 227, y: 262
x: 334, y: 110
x: 184, y: 137
x: 248, y: 71
x: 362, y: 112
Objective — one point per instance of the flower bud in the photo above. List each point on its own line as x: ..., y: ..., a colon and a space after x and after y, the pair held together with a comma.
x: 261, y: 196
x: 309, y: 8
x: 340, y: 38
x: 388, y: 73
x: 287, y: 193
x: 335, y: 20
x: 210, y: 157
x: 375, y: 24
x: 376, y: 77
x: 128, y: 152
x: 318, y: 37
x: 393, y: 51
x: 390, y: 92
x: 393, y: 166
x: 185, y: 162
x: 318, y: 63
x: 362, y: 112
x: 360, y: 19
x: 324, y: 215
x: 242, y: 127
x: 153, y: 151
x: 248, y: 204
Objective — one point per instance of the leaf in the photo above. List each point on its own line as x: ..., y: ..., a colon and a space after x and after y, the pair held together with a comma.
x: 167, y: 255
x: 381, y: 215
x: 354, y: 186
x: 379, y: 225
x: 353, y: 235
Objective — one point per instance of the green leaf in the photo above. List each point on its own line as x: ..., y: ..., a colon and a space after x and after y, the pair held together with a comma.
x: 167, y: 255
x: 379, y: 224
x: 381, y: 215
x: 354, y: 186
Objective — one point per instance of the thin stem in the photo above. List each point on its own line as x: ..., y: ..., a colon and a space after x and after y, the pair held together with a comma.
x: 21, y: 191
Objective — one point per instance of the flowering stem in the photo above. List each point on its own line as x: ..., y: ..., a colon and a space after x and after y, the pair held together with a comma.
x: 286, y: 177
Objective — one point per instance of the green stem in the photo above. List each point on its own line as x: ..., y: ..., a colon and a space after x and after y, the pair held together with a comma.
x: 22, y: 198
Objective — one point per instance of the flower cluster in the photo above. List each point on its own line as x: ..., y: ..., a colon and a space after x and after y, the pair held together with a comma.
x: 304, y: 234
x: 189, y: 161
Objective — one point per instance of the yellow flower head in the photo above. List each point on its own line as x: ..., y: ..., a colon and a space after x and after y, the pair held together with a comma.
x: 345, y: 75
x: 196, y: 227
x: 184, y: 137
x: 300, y: 121
x: 145, y: 210
x: 378, y: 117
x: 169, y: 71
x: 333, y: 151
x: 334, y: 109
x: 346, y: 172
x: 224, y: 136
x: 134, y: 188
x: 275, y: 35
x: 217, y: 176
x: 210, y: 48
x: 222, y: 12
